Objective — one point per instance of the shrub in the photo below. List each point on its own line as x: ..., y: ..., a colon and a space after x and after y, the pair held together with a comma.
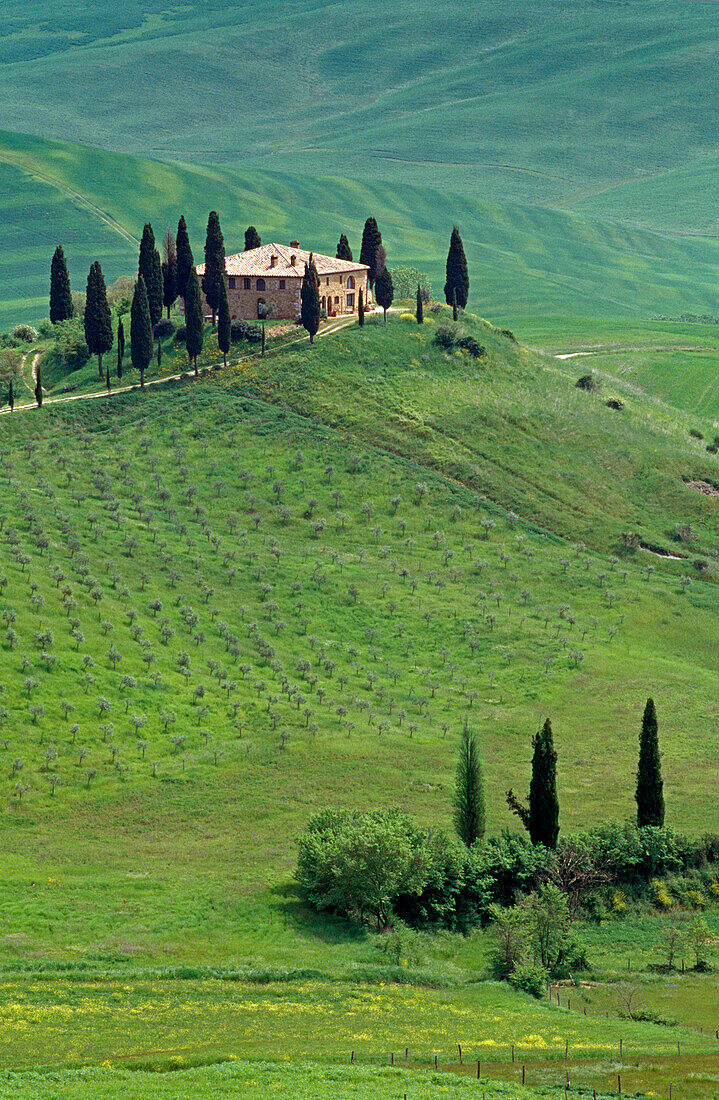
x: 472, y: 345
x: 588, y: 382
x: 614, y: 403
x: 695, y: 434
x: 70, y: 343
x: 164, y: 327
x: 507, y: 332
x: 246, y: 330
x: 26, y: 334
x: 445, y: 336
x: 531, y: 979
x: 407, y: 317
x: 46, y: 328
x: 180, y: 334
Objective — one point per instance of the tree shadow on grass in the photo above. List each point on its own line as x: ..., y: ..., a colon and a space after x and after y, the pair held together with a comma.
x: 325, y: 927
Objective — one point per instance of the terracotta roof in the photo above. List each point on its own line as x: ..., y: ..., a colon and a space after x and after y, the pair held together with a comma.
x: 257, y: 262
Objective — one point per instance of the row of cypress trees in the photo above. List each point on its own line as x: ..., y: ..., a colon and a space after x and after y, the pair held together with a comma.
x: 540, y: 814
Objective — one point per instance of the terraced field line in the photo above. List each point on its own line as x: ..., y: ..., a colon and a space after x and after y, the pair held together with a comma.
x: 76, y: 196
x: 96, y: 395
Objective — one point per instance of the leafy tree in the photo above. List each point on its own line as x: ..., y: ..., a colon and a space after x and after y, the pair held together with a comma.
x: 194, y: 319
x: 140, y: 330
x: 310, y: 299
x: 150, y: 268
x: 169, y: 271
x: 405, y: 280
x: 98, y: 321
x: 384, y: 290
x: 649, y: 794
x: 38, y: 386
x: 344, y: 252
x: 457, y: 275
x: 214, y: 263
x: 469, y: 816
x: 61, y: 307
x: 184, y: 258
x: 360, y: 308
x: 224, y: 324
x: 252, y: 238
x: 359, y: 864
x: 371, y: 242
x: 420, y: 306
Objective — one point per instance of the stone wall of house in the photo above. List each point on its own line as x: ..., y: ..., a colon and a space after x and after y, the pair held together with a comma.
x: 334, y: 291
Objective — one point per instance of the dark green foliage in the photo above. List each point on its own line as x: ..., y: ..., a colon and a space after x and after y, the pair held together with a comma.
x: 224, y: 324
x: 384, y: 290
x: 140, y: 330
x: 184, y: 259
x: 169, y: 280
x: 420, y: 306
x: 97, y: 321
x: 252, y: 238
x: 543, y: 823
x: 344, y: 252
x: 469, y: 815
x: 214, y: 263
x: 194, y: 319
x: 107, y: 379
x: 310, y: 299
x: 457, y: 275
x: 360, y: 308
x: 649, y: 794
x: 121, y: 338
x: 150, y: 268
x: 61, y: 308
x: 455, y: 310
x: 450, y: 336
x: 11, y: 395
x: 371, y: 243
x: 38, y: 386
x: 246, y: 330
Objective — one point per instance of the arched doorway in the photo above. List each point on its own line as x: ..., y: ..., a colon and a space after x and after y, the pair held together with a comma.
x: 261, y: 309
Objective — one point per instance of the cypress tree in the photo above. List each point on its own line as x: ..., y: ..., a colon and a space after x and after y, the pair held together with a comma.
x: 224, y: 325
x: 650, y: 787
x: 384, y: 290
x: 38, y: 387
x: 457, y: 276
x: 469, y: 816
x: 310, y: 299
x: 120, y: 346
x: 98, y: 320
x: 360, y: 308
x: 214, y: 263
x: 11, y: 396
x: 184, y: 258
x: 194, y: 319
x: 140, y: 330
x: 169, y: 271
x: 371, y: 242
x: 150, y: 268
x: 543, y: 823
x: 61, y: 307
x: 420, y: 306
x: 344, y: 252
x: 455, y: 311
x: 107, y: 379
x: 252, y: 238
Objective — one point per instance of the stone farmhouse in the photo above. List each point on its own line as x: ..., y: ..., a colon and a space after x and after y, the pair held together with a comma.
x: 266, y: 281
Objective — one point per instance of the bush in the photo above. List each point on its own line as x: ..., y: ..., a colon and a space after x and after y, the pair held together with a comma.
x: 588, y: 382
x: 180, y: 334
x: 695, y: 434
x: 70, y: 343
x: 164, y: 327
x: 445, y: 336
x: 472, y: 345
x: 531, y: 979
x: 46, y: 328
x: 507, y: 332
x: 26, y: 334
x: 246, y: 330
x: 406, y: 280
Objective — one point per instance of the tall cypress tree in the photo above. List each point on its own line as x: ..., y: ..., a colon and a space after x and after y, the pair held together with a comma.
x: 185, y: 259
x: 98, y: 321
x: 214, y: 263
x: 650, y: 787
x: 38, y: 386
x: 384, y: 290
x: 469, y: 816
x: 150, y: 268
x: 310, y: 299
x: 371, y: 242
x: 120, y: 346
x: 360, y: 308
x: 457, y: 275
x: 169, y: 271
x: 420, y: 306
x: 344, y: 252
x: 194, y: 319
x: 61, y: 307
x: 252, y: 238
x: 543, y: 820
x: 140, y: 330
x: 11, y: 396
x: 224, y: 326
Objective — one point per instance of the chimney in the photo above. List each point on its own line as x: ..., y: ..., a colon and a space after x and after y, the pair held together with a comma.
x: 273, y: 261
x: 293, y: 260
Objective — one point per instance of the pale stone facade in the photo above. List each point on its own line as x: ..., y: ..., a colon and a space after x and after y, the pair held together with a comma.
x: 270, y: 278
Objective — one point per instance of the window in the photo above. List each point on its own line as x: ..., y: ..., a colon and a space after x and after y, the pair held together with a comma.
x: 341, y: 277
x: 337, y: 301
x: 260, y: 284
x: 247, y: 284
x: 327, y: 283
x: 282, y: 284
x: 350, y: 301
x: 350, y: 282
x: 231, y: 282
